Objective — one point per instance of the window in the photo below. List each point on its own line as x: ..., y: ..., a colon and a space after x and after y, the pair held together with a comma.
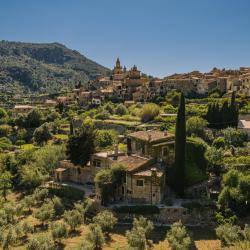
x: 140, y: 183
x: 97, y: 163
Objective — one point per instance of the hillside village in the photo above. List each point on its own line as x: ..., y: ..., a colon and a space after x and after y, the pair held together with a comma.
x: 125, y: 158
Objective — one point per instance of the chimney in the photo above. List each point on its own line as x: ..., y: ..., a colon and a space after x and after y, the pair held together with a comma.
x: 116, y: 151
x: 153, y: 172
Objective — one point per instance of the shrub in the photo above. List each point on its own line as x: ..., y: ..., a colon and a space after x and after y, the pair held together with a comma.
x: 144, y: 223
x: 121, y: 110
x: 149, y: 112
x: 178, y: 237
x: 103, y: 115
x: 136, y: 238
x: 73, y: 218
x: 41, y: 242
x: 219, y: 142
x: 58, y: 205
x: 106, y: 138
x: 58, y: 230
x: 45, y: 212
x: 5, y: 130
x: 20, y: 142
x: 196, y: 125
x: 234, y: 137
x: 106, y: 220
x: 95, y: 236
x: 228, y: 234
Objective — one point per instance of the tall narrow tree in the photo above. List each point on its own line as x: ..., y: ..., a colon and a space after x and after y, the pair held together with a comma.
x: 180, y: 148
x: 234, y: 110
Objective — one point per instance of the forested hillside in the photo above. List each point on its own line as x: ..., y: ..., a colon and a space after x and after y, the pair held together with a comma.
x: 48, y: 67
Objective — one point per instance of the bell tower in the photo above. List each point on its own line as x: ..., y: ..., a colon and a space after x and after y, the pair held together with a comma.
x: 117, y: 68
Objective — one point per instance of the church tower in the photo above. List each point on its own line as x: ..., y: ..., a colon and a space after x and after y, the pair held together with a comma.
x: 118, y: 68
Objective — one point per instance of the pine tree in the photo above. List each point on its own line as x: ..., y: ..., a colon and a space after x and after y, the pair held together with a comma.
x: 180, y: 146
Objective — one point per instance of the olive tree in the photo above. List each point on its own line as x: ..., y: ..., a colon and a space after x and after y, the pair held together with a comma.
x: 58, y: 230
x: 95, y: 236
x: 73, y: 218
x: 106, y: 220
x: 178, y: 237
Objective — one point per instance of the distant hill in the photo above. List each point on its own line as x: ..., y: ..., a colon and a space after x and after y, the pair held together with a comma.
x: 44, y: 67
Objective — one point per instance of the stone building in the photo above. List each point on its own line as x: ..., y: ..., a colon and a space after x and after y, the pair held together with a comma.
x: 149, y: 153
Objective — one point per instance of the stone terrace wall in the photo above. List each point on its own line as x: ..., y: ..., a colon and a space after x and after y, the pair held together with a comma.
x: 169, y: 215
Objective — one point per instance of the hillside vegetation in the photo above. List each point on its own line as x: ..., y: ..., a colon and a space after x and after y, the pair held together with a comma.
x: 44, y: 67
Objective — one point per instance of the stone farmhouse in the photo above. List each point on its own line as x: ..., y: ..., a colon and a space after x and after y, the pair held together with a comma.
x: 149, y: 153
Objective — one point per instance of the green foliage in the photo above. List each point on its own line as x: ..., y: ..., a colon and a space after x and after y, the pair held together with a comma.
x: 8, y: 238
x: 235, y: 192
x: 196, y: 126
x: 214, y: 157
x: 45, y: 212
x: 105, y: 138
x: 95, y: 236
x: 180, y: 149
x: 5, y: 130
x: 73, y: 218
x: 173, y: 97
x: 42, y: 163
x: 106, y: 220
x: 34, y: 119
x: 103, y: 115
x: 178, y: 237
x: 82, y: 141
x: 144, y: 223
x: 32, y: 66
x: 228, y: 234
x: 149, y: 112
x: 121, y: 110
x: 42, y: 134
x: 223, y: 116
x: 5, y: 143
x: 58, y: 205
x: 234, y: 137
x: 5, y: 183
x: 225, y: 216
x: 41, y: 242
x: 108, y: 180
x: 66, y: 192
x: 3, y: 114
x: 58, y: 230
x: 136, y: 238
x: 169, y: 109
x: 219, y: 142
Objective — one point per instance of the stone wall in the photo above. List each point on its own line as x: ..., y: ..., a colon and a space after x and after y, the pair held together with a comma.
x: 169, y: 215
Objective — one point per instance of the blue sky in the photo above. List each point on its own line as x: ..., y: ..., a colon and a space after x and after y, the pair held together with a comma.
x: 160, y: 36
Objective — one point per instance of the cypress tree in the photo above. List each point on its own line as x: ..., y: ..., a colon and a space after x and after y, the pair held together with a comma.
x: 234, y: 111
x: 225, y: 115
x: 180, y: 148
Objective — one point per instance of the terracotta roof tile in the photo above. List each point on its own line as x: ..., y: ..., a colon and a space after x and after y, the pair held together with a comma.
x: 152, y: 135
x: 132, y: 162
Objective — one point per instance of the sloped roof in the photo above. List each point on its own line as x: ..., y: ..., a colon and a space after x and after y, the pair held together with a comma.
x: 152, y: 135
x: 133, y: 162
